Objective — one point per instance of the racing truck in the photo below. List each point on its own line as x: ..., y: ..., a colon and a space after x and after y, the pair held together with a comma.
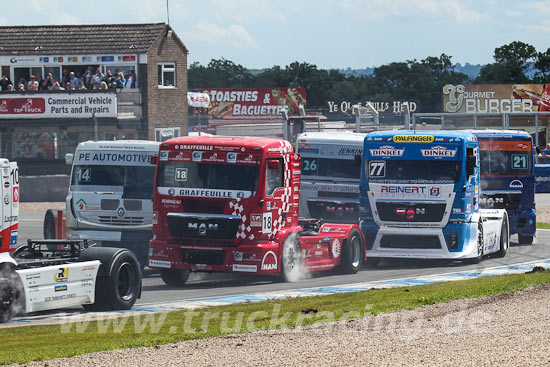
x: 420, y: 198
x: 508, y: 178
x: 331, y: 171
x: 109, y: 202
x: 51, y: 274
x: 231, y: 204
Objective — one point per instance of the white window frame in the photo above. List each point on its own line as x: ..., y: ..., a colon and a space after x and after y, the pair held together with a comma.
x: 159, y: 130
x: 163, y: 65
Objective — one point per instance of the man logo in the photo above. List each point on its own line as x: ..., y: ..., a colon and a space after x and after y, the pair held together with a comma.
x: 516, y: 184
x: 269, y: 262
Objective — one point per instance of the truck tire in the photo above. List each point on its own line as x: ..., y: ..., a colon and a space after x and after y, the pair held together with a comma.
x: 12, y: 295
x: 174, y: 277
x: 49, y: 226
x: 525, y: 240
x: 291, y: 260
x: 504, y: 238
x: 480, y: 245
x: 352, y: 253
x: 118, y: 284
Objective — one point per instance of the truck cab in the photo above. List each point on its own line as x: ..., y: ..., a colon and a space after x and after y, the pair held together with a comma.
x: 420, y: 193
x: 110, y: 194
x: 331, y: 172
x: 231, y: 204
x: 508, y: 178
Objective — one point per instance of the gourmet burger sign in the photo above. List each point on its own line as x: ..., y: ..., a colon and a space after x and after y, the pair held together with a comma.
x: 58, y: 105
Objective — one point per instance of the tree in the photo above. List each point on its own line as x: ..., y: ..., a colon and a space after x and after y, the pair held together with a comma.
x: 543, y: 67
x: 512, y: 62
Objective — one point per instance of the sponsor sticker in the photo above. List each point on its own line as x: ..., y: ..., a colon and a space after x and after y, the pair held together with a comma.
x: 413, y: 138
x: 62, y: 275
x: 160, y: 264
x: 269, y: 261
x: 197, y: 156
x: 60, y: 288
x: 438, y: 151
x: 163, y: 156
x: 245, y: 268
x: 387, y: 151
x: 336, y: 248
x: 255, y: 220
x: 231, y: 157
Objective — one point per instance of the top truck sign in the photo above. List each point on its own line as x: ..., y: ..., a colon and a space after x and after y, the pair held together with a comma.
x: 58, y: 105
x: 496, y: 98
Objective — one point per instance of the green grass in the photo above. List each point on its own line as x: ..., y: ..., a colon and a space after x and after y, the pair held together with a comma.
x: 24, y: 344
x: 543, y: 225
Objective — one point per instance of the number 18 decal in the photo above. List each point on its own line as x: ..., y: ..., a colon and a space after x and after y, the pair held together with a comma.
x: 266, y: 223
x: 377, y: 169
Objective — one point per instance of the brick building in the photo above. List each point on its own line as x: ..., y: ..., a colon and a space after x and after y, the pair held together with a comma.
x: 43, y: 125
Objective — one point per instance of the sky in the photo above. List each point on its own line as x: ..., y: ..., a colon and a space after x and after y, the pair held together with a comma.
x: 328, y: 33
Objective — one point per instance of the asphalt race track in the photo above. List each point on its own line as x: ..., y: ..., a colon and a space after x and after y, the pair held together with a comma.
x: 204, y: 285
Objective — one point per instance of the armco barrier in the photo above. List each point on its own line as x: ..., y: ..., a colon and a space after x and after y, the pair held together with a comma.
x: 542, y: 178
x: 43, y: 188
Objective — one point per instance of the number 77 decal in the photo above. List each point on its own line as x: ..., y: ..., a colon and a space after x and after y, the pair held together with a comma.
x: 377, y: 169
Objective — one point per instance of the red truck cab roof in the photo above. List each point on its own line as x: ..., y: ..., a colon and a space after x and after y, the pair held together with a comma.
x: 246, y: 142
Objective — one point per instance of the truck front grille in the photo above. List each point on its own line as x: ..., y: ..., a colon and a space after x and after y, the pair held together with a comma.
x: 410, y: 212
x: 209, y: 226
x: 117, y: 221
x: 500, y: 201
x: 410, y: 241
x: 334, y: 210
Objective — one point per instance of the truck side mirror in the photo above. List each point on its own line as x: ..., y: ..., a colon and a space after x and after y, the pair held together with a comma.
x: 69, y: 159
x: 274, y: 164
x: 470, y: 165
x: 153, y: 159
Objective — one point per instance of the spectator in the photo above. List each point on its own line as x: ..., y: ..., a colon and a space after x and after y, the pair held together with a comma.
x: 73, y: 80
x: 103, y: 85
x: 97, y: 79
x: 131, y: 80
x: 33, y: 84
x: 56, y: 86
x: 64, y: 77
x: 4, y: 81
x: 46, y: 84
x: 10, y: 88
x: 81, y: 85
x: 87, y: 77
x: 68, y: 86
x: 21, y: 87
x: 120, y: 80
x: 21, y: 81
x: 109, y: 78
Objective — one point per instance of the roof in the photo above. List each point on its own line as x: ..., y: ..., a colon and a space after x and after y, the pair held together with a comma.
x: 136, y: 145
x: 80, y: 39
x: 329, y: 137
x: 204, y: 142
x: 460, y: 134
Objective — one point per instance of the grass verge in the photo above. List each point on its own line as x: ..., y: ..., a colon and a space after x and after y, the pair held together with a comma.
x: 24, y: 344
x: 543, y: 225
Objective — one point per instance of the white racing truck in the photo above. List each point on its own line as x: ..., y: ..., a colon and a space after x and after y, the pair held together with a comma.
x: 51, y: 274
x: 331, y: 172
x: 110, y: 196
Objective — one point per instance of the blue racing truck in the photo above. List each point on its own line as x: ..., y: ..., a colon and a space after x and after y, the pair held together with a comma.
x: 508, y: 178
x: 419, y: 198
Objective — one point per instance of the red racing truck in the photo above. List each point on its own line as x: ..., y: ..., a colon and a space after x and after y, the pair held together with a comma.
x: 230, y: 204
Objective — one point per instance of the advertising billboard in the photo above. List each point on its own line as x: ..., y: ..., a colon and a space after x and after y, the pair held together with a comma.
x: 57, y: 105
x: 496, y: 98
x: 389, y: 111
x: 258, y: 104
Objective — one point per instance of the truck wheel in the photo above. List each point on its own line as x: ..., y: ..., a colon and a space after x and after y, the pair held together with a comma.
x: 49, y: 226
x: 290, y: 260
x: 525, y: 240
x: 120, y: 289
x: 480, y: 245
x: 504, y: 238
x: 352, y: 253
x: 174, y: 278
x: 12, y: 295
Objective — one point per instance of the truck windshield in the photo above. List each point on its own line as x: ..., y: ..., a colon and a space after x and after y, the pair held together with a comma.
x: 208, y: 176
x: 136, y: 181
x: 505, y: 162
x: 330, y: 167
x: 413, y: 170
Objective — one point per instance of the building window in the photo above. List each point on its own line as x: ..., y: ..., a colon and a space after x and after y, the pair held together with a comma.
x: 167, y: 75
